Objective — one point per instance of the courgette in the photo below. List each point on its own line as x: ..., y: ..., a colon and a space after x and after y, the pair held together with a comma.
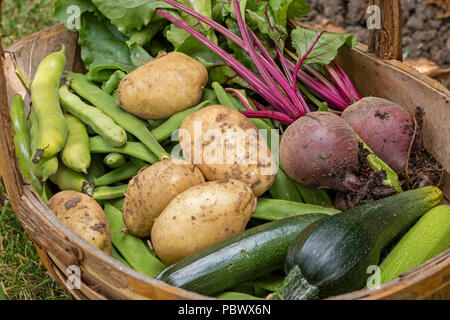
x: 335, y: 255
x: 427, y: 238
x: 242, y: 258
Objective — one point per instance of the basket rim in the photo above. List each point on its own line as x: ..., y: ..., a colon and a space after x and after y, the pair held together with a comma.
x: 431, y: 267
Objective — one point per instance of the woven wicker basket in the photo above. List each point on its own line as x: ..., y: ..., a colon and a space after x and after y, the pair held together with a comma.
x: 105, y: 278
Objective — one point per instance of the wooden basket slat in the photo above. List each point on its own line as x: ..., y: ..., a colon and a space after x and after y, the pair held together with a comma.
x: 105, y: 277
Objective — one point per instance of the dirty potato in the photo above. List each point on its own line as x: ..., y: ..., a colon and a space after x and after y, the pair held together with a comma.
x: 202, y: 216
x: 83, y: 215
x: 230, y: 147
x: 168, y: 84
x: 151, y: 190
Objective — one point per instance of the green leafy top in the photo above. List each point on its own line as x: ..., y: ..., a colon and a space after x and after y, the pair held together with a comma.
x: 326, y: 48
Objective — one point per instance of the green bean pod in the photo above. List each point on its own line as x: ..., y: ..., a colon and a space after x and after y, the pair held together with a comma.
x: 116, y: 255
x: 114, y: 160
x: 118, y: 203
x: 106, y: 103
x: 135, y: 149
x: 274, y: 209
x: 109, y: 193
x: 284, y: 189
x: 166, y: 129
x: 96, y: 169
x: 113, y: 82
x: 45, y: 99
x: 46, y: 167
x: 133, y: 249
x: 67, y: 179
x: 93, y: 117
x: 318, y: 197
x: 124, y: 172
x: 22, y: 143
x: 75, y: 154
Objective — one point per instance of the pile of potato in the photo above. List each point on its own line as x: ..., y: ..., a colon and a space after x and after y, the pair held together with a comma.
x: 182, y: 206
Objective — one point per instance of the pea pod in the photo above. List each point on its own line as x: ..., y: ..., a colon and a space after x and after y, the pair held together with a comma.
x: 108, y: 193
x: 166, y: 129
x: 283, y: 188
x: 46, y: 167
x: 45, y: 98
x: 118, y: 203
x: 67, y: 179
x: 319, y: 196
x: 96, y: 169
x: 106, y: 103
x: 113, y: 82
x: 93, y: 117
x: 274, y: 209
x: 135, y: 149
x: 116, y: 255
x: 114, y: 160
x: 75, y: 154
x: 22, y: 143
x: 133, y: 249
x: 126, y: 171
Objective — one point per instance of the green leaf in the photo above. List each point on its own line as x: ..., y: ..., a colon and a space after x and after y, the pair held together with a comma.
x: 325, y: 49
x: 128, y: 15
x: 69, y: 11
x: 102, y: 52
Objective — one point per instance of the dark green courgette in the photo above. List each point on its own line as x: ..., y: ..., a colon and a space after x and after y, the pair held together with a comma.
x: 335, y: 255
x: 244, y: 257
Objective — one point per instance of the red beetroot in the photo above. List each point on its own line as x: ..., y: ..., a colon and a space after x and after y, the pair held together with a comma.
x: 386, y: 127
x: 320, y: 150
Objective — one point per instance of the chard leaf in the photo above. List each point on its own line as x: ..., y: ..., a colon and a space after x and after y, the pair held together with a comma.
x: 102, y: 52
x: 325, y: 50
x: 128, y: 15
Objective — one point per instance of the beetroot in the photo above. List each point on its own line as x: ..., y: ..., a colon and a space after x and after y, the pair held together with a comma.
x: 320, y: 150
x: 386, y: 127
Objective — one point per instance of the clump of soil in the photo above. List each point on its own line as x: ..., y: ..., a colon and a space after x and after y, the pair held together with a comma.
x: 423, y: 169
x: 372, y: 189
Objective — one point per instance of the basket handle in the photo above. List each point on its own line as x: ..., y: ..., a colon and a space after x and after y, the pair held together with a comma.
x: 385, y: 40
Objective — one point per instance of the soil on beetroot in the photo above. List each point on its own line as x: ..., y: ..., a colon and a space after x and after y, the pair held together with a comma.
x: 372, y: 185
x: 425, y: 30
x: 422, y: 170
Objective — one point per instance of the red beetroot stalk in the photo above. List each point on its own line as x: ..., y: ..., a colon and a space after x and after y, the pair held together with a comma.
x: 320, y: 89
x: 269, y: 114
x: 245, y: 73
x: 339, y: 82
x: 241, y: 98
x: 228, y: 34
x: 347, y: 81
x: 293, y: 109
x: 295, y: 95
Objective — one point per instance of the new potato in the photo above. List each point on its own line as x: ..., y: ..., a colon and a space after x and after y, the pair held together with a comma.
x: 201, y: 216
x: 168, y: 84
x: 151, y: 190
x: 224, y: 144
x: 83, y: 215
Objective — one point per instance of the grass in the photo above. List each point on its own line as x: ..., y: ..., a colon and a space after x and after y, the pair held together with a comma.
x: 22, y: 276
x: 23, y: 17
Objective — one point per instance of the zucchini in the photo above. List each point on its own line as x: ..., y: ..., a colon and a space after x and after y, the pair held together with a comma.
x: 426, y: 239
x: 241, y: 258
x: 335, y: 255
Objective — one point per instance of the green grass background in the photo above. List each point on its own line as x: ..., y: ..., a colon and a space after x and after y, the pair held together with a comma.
x: 22, y: 276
